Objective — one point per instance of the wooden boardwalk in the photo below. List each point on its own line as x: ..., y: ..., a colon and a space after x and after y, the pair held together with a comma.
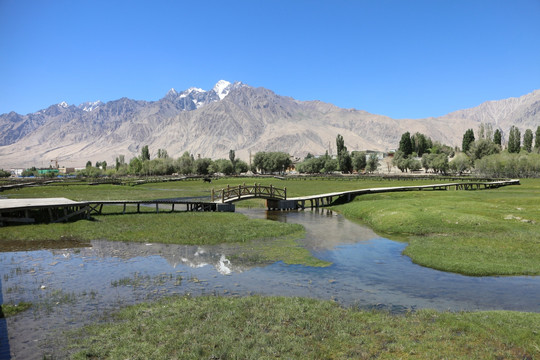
x: 321, y: 200
x: 96, y: 206
x: 53, y: 210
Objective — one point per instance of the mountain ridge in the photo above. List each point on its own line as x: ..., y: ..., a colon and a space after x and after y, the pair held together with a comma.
x: 229, y: 116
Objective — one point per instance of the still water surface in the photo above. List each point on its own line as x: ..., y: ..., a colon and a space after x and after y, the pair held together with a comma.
x: 71, y: 287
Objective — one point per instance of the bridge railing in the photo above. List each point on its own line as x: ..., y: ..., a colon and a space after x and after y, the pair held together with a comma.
x: 244, y: 191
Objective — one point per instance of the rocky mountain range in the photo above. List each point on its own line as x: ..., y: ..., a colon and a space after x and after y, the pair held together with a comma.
x: 229, y: 116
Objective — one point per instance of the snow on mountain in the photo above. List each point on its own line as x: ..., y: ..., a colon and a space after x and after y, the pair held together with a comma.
x: 222, y: 88
x: 90, y: 105
x: 63, y: 104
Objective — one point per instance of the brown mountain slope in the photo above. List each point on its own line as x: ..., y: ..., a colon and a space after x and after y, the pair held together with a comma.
x: 247, y: 119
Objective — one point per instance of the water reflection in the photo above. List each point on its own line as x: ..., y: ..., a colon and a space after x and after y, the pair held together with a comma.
x: 73, y: 286
x: 192, y: 256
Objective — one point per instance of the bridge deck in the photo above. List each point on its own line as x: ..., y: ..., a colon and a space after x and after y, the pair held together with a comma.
x: 61, y: 209
x: 327, y: 199
x: 41, y: 209
x: 22, y: 204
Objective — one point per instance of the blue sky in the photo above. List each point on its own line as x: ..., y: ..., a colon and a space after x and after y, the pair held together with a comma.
x: 403, y: 59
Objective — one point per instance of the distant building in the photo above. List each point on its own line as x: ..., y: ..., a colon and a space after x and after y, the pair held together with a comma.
x: 16, y: 172
x: 66, y: 170
x: 48, y: 171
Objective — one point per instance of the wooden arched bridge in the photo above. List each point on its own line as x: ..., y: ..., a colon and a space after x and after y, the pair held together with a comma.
x: 243, y: 192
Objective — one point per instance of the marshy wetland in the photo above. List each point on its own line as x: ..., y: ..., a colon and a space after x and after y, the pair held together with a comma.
x: 71, y: 276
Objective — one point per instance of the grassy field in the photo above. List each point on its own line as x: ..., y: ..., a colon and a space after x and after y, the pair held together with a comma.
x: 484, y: 232
x: 296, y: 328
x: 487, y: 232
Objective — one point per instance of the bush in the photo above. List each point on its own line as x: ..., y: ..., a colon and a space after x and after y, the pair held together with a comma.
x: 509, y: 165
x: 4, y: 174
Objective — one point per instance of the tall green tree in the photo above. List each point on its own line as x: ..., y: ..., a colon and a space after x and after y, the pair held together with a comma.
x: 340, y: 144
x: 241, y: 166
x: 372, y: 163
x: 135, y: 166
x: 341, y: 153
x: 345, y: 161
x: 514, y: 140
x: 223, y: 166
x: 537, y: 139
x: 232, y: 158
x: 482, y: 147
x: 405, y: 144
x: 468, y: 138
x: 184, y: 164
x: 145, y: 153
x: 201, y: 166
x: 460, y: 163
x: 359, y: 160
x: 271, y: 161
x: 497, y: 137
x: 419, y: 143
x: 162, y: 154
x: 528, y: 140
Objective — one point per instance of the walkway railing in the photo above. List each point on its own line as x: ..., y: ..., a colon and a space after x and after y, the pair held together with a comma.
x: 244, y: 191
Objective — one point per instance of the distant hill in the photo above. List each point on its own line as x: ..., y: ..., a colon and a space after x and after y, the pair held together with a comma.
x: 229, y: 116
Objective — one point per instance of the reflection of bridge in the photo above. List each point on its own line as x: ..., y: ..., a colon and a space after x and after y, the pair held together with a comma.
x: 243, y: 192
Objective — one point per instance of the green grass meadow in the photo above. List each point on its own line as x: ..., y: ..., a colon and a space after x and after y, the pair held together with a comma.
x: 297, y: 328
x: 482, y: 232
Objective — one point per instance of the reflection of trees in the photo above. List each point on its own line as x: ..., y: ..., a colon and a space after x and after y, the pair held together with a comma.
x: 188, y: 255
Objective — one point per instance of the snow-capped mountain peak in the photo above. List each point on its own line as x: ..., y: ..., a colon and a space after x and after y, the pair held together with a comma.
x: 63, y: 104
x: 222, y: 88
x: 90, y: 105
x: 195, y: 98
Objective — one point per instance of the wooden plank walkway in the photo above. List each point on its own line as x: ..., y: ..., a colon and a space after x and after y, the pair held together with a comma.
x: 52, y: 210
x: 96, y: 206
x: 321, y: 200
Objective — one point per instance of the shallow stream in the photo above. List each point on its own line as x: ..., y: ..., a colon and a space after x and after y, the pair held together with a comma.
x: 72, y: 287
